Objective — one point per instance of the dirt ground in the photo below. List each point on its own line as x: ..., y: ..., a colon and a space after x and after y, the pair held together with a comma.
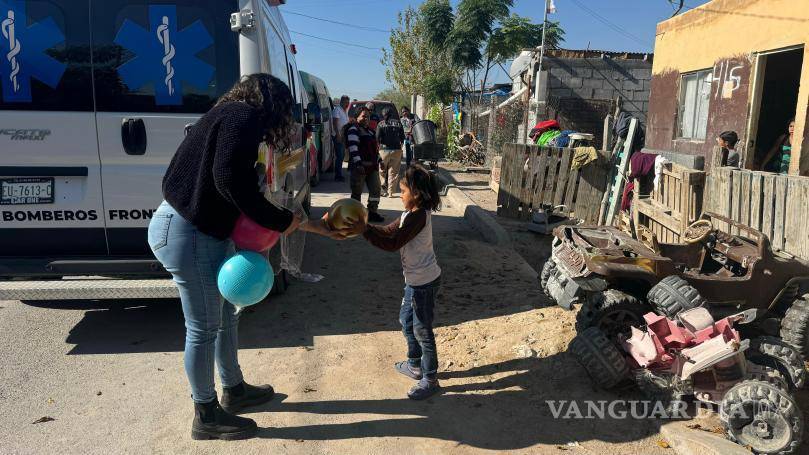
x: 535, y: 249
x: 110, y: 374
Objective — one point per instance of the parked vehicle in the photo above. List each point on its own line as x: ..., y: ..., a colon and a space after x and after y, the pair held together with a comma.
x: 92, y: 115
x: 376, y: 115
x: 618, y: 279
x: 692, y: 355
x: 318, y: 120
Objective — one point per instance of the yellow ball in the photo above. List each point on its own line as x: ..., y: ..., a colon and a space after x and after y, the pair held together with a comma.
x: 344, y: 210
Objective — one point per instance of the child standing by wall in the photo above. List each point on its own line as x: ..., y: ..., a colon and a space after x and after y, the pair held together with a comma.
x: 412, y: 236
x: 730, y: 156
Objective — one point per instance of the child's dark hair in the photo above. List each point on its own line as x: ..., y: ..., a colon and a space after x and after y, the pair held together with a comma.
x: 730, y: 137
x: 424, y: 187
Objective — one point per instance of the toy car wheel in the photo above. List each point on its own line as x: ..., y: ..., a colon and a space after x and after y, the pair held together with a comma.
x: 767, y: 374
x: 795, y: 325
x: 601, y: 359
x: 673, y: 295
x: 778, y: 354
x: 658, y: 388
x: 760, y: 416
x: 612, y: 311
x: 548, y: 270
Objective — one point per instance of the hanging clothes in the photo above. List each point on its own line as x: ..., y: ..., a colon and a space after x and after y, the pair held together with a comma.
x: 583, y: 156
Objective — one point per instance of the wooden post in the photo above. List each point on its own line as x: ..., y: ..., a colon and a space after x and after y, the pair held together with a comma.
x: 607, y: 137
x: 490, y: 131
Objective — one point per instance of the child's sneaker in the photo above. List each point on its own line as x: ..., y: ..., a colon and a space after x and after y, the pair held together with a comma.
x: 424, y: 389
x: 406, y: 369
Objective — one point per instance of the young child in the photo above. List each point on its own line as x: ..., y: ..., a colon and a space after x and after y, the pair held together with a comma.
x: 412, y: 236
x: 727, y: 140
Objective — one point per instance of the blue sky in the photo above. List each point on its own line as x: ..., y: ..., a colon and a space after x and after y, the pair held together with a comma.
x: 618, y: 25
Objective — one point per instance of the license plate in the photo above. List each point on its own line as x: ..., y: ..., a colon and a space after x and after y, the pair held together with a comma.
x: 26, y: 190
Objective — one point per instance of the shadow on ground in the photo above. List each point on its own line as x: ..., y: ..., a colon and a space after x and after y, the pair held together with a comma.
x: 488, y: 413
x: 359, y: 294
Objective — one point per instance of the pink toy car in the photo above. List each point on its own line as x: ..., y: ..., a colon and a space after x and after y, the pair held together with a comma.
x: 694, y: 355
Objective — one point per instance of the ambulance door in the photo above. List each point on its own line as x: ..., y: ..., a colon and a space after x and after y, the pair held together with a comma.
x: 158, y: 67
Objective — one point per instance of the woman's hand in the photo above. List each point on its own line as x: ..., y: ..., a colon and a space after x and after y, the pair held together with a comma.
x: 321, y: 227
x: 294, y: 225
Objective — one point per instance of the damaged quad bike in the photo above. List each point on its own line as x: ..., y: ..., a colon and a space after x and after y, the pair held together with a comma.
x: 618, y: 279
x: 694, y: 356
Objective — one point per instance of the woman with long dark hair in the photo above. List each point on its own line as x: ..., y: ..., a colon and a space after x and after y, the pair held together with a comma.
x: 212, y: 180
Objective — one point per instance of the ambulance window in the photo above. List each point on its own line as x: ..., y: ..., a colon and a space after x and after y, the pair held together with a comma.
x: 45, y: 56
x: 277, y: 56
x: 149, y: 57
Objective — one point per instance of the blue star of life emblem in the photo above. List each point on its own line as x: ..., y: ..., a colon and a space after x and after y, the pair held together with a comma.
x: 164, y: 55
x: 22, y: 52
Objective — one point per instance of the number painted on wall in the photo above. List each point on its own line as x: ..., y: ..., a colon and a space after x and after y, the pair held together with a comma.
x: 726, y: 77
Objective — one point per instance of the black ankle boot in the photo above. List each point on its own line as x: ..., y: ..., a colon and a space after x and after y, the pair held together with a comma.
x: 213, y: 422
x: 244, y: 395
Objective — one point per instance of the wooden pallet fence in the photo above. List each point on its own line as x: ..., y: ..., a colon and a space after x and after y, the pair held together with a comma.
x: 777, y: 205
x: 532, y: 176
x: 673, y: 205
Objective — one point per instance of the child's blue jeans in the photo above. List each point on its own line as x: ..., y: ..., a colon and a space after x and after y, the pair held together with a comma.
x: 416, y: 317
x: 211, y: 323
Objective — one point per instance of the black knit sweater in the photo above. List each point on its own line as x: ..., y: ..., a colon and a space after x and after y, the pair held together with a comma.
x: 212, y: 177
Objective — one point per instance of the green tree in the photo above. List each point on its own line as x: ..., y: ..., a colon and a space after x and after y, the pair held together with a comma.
x: 412, y: 64
x: 436, y: 51
x: 395, y: 96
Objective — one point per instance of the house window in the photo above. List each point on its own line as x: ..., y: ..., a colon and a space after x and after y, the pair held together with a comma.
x: 695, y: 89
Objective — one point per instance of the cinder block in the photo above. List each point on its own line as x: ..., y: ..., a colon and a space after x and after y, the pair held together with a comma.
x: 561, y: 92
x: 554, y: 82
x: 604, y: 94
x: 584, y: 73
x: 633, y: 85
x: 641, y: 95
x: 572, y: 82
x: 643, y: 73
x: 585, y: 93
x: 593, y: 83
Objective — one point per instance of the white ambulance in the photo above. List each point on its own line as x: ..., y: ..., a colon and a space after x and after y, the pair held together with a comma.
x: 90, y: 118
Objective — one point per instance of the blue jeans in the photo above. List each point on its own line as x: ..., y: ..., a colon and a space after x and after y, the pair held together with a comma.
x: 408, y: 151
x: 339, y: 156
x: 416, y: 317
x: 211, y: 323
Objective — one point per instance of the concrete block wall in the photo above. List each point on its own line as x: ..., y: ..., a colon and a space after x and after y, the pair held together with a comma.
x: 601, y: 79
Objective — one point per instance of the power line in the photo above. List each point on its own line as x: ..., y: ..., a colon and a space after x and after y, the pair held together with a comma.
x: 354, y: 26
x: 344, y: 43
x: 610, y: 24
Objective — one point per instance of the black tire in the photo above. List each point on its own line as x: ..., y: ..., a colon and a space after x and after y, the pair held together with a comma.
x: 548, y: 270
x: 602, y: 361
x: 760, y: 416
x: 672, y: 295
x: 658, y: 388
x: 612, y: 311
x: 795, y: 325
x: 775, y: 353
x: 770, y: 375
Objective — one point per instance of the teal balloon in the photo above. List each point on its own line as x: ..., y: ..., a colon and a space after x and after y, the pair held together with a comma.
x: 245, y: 278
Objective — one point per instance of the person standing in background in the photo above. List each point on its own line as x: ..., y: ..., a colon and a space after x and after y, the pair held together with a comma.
x: 408, y: 119
x: 730, y: 156
x: 339, y: 118
x: 390, y: 137
x: 779, y: 156
x: 363, y: 163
